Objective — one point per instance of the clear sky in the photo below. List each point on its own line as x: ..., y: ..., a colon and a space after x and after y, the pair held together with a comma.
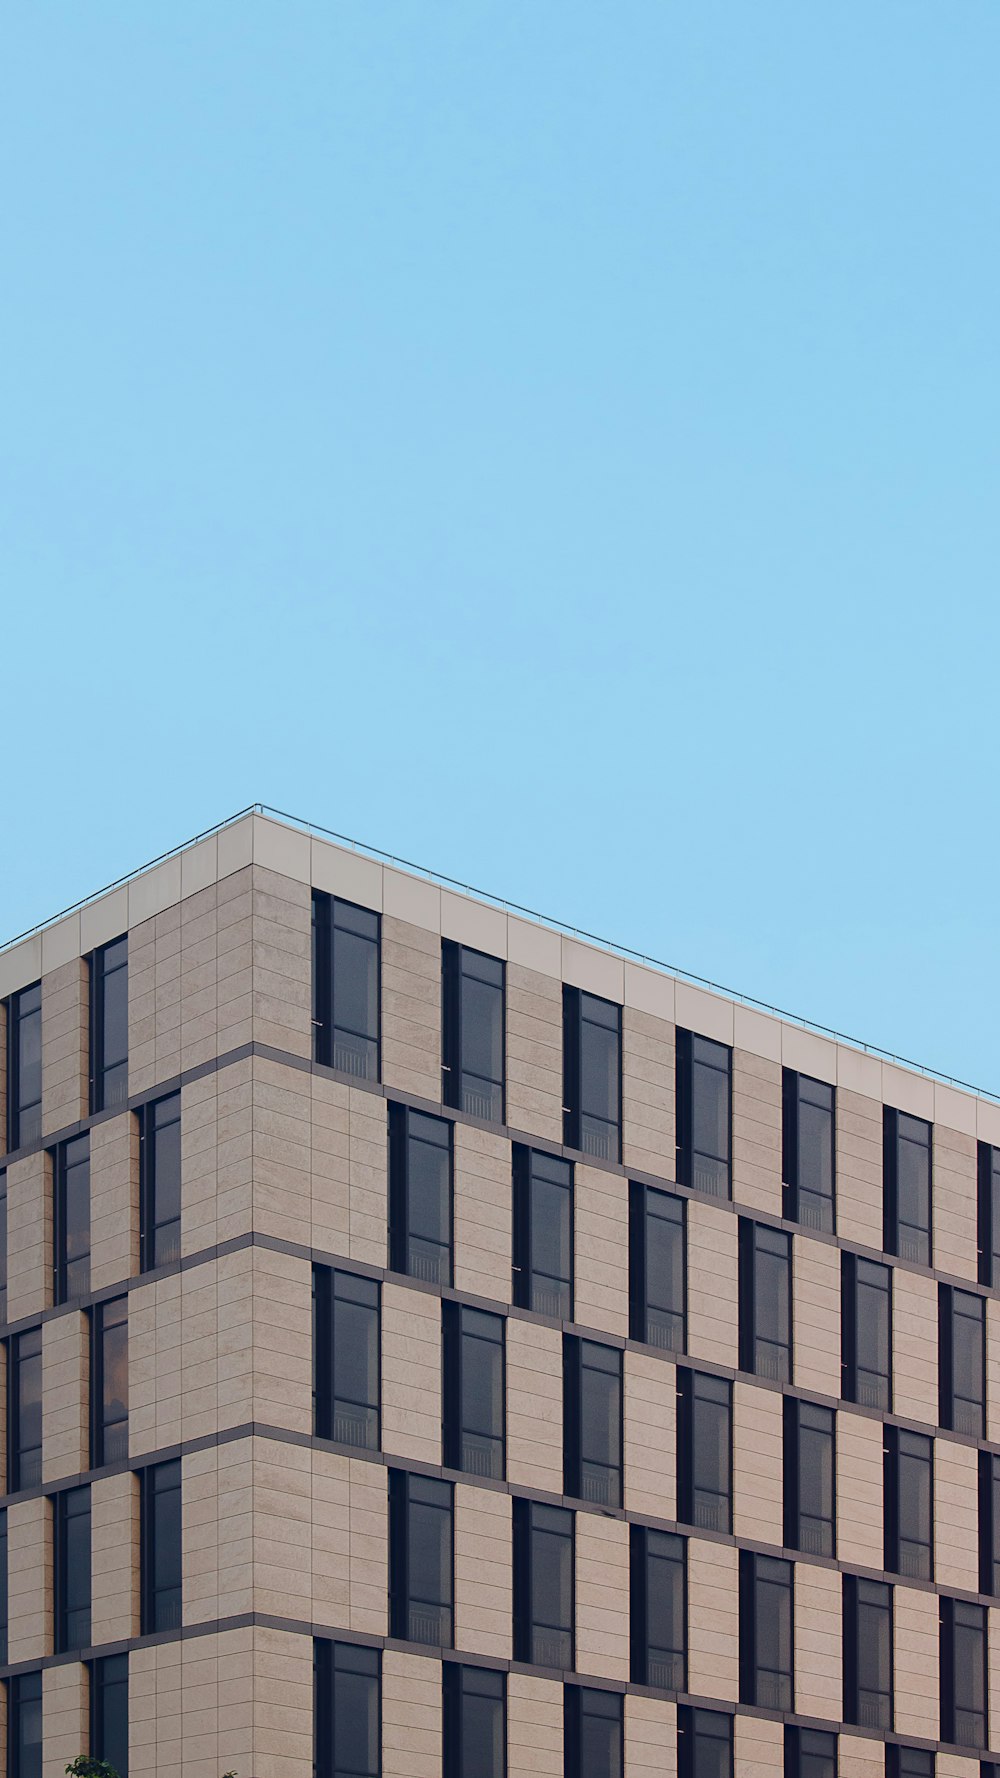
x: 554, y: 441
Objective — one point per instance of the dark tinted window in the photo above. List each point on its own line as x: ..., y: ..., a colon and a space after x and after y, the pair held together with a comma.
x: 543, y: 1585
x: 906, y: 1172
x: 593, y: 1733
x: 420, y: 1194
x: 657, y: 1268
x: 345, y: 986
x: 475, y: 1730
x: 765, y: 1301
x: 72, y: 1568
x: 420, y: 1558
x: 109, y: 1712
x: 865, y: 1332
x: 24, y: 1726
x: 867, y: 1653
x: 961, y: 1361
x: 591, y: 1074
x: 989, y: 1214
x: 109, y: 1382
x: 24, y: 1067
x: 346, y: 1358
x: 704, y: 1744
x: 963, y: 1673
x: 3, y: 1244
x: 109, y: 1026
x: 704, y: 1114
x: 909, y: 1503
x: 807, y: 1150
x: 908, y: 1762
x: 71, y: 1179
x: 347, y: 1710
x: 704, y: 1451
x: 809, y: 1478
x: 472, y: 992
x: 473, y: 1390
x: 989, y: 1523
x: 24, y: 1411
x: 766, y: 1639
x: 810, y: 1753
x: 4, y: 1601
x: 543, y: 1233
x: 658, y: 1589
x: 592, y: 1421
x: 161, y: 1547
x: 160, y: 1182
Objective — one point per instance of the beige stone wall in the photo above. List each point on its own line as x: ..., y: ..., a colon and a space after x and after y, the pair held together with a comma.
x: 756, y: 1132
x: 648, y: 1111
x: 534, y: 1053
x: 600, y: 1240
x: 65, y: 1045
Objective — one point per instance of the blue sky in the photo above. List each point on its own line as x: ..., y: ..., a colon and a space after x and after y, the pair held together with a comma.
x: 554, y: 442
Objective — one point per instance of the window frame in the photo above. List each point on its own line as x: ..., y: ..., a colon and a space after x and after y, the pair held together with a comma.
x: 70, y: 1506
x: 99, y: 1687
x: 456, y: 1677
x: 579, y: 1701
x: 98, y: 975
x: 575, y: 1004
x: 952, y: 1301
x: 324, y: 925
x: 851, y: 1370
x: 691, y: 1719
x: 150, y: 1225
x: 3, y: 1244
x: 689, y: 1382
x: 988, y: 1214
x: 532, y: 1518
x: 794, y: 1750
x: 330, y: 1285
x: 795, y: 1088
x: 753, y: 1239
x: 454, y: 1333
x: 857, y: 1597
x: 900, y: 1446
x: 326, y: 1651
x: 895, y: 1131
x: 687, y: 1063
x: 62, y: 1166
x: 952, y: 1665
x: 758, y: 1572
x: 16, y: 1449
x: 454, y: 975
x: 150, y: 1534
x: 580, y: 1356
x: 643, y: 1553
x: 401, y: 1137
x: 100, y: 1423
x: 18, y: 1695
x: 18, y: 1110
x: 405, y: 1490
x: 528, y: 1279
x: 793, y: 1409
x: 642, y: 1210
x: 989, y: 1523
x: 4, y: 1588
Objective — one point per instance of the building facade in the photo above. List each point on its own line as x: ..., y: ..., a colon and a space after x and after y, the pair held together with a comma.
x: 438, y: 1347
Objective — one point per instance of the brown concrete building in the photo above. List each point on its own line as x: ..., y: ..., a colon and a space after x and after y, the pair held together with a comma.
x: 437, y: 1345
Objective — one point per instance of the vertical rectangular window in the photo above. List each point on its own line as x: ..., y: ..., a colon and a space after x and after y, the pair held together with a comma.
x: 3, y: 1244
x: 906, y: 1185
x: 961, y: 1361
x: 810, y: 1753
x: 963, y: 1673
x: 347, y: 1711
x: 421, y: 1558
x: 765, y: 1306
x: 593, y: 1733
x: 474, y: 1719
x: 809, y: 1467
x: 109, y: 1712
x: 658, y: 1601
x: 544, y: 1585
x: 704, y: 1743
x: 473, y: 1352
x: 704, y: 1114
x: 420, y: 1195
x: 160, y: 1182
x: 989, y: 1523
x: 705, y: 1451
x: 24, y: 1410
x: 543, y: 1233
x: 808, y: 1169
x: 108, y: 970
x: 988, y: 1214
x: 592, y: 1070
x: 766, y: 1636
x: 24, y: 1067
x: 71, y: 1515
x: 24, y: 1726
x: 71, y: 1218
x: 908, y: 1466
x: 346, y: 1358
x: 866, y: 1323
x: 109, y: 1382
x: 657, y: 1267
x: 160, y: 1547
x: 867, y: 1653
x: 472, y: 1020
x: 4, y: 1600
x: 592, y: 1421
x: 346, y: 966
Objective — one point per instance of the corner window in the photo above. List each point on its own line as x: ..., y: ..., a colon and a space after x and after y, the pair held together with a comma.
x: 867, y: 1653
x: 24, y: 1067
x: 704, y: 1743
x: 809, y: 1478
x: 908, y: 1466
x: 704, y: 1114
x: 71, y: 1221
x: 24, y: 1410
x: 765, y: 1306
x: 961, y: 1361
x: 906, y: 1178
x: 109, y: 1382
x: 704, y: 1451
x: 421, y: 1558
x: 347, y: 1710
x: 544, y: 1585
x: 473, y: 1353
x: 988, y: 1214
x: 866, y: 1332
x: 160, y: 1183
x: 346, y: 1358
x: 592, y: 1421
x: 543, y: 1233
x: 160, y: 1547
x: 593, y: 1733
x: 420, y: 1195
x: 109, y: 1712
x: 807, y: 1151
x: 810, y: 1753
x: 472, y: 1004
x: 108, y: 971
x: 963, y: 1673
x: 346, y: 965
x: 657, y: 1268
x: 592, y: 1068
x: 474, y: 1713
x: 71, y: 1513
x: 766, y: 1638
x: 658, y: 1599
